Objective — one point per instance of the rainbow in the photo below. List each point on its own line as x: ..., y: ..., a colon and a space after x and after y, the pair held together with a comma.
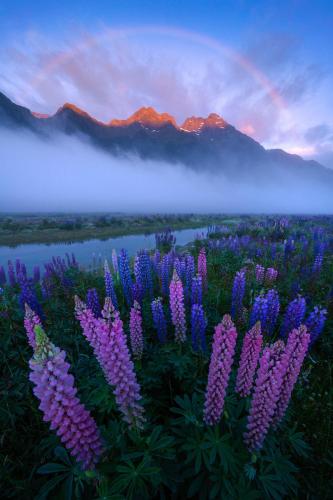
x: 188, y: 36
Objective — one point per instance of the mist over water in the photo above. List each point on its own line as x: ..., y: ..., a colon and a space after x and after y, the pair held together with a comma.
x: 70, y: 174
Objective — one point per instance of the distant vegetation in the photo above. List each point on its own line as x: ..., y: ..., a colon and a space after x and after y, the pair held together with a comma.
x: 41, y: 228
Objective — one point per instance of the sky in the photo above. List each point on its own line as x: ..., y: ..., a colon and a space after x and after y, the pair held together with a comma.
x: 265, y: 66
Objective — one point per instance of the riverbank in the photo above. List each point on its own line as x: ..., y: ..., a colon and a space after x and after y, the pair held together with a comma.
x: 37, y: 229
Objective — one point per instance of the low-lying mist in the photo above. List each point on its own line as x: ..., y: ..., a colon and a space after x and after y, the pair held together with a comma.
x: 70, y: 174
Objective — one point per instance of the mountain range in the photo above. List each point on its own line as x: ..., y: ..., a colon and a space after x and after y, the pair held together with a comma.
x: 199, y: 143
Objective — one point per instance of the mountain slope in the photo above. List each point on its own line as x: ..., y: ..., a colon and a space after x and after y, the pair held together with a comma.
x: 199, y: 143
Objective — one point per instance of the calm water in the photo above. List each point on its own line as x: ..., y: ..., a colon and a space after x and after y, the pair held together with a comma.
x: 40, y: 253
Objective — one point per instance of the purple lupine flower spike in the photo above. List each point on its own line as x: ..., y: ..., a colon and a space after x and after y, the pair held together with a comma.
x: 198, y: 327
x: 196, y: 292
x: 238, y: 291
x: 2, y: 276
x: 125, y: 276
x: 317, y: 265
x: 55, y: 389
x: 109, y: 288
x: 159, y: 319
x: 190, y: 271
x: 136, y: 330
x: 137, y: 292
x: 315, y: 323
x: 31, y: 320
x: 108, y: 340
x: 143, y: 272
x: 109, y: 312
x: 114, y: 258
x: 165, y: 268
x: 266, y: 310
x: 114, y: 358
x: 251, y: 348
x: 260, y: 273
x: 223, y: 351
x: 293, y: 316
x: 28, y: 295
x: 295, y: 352
x: 202, y: 267
x: 273, y: 309
x: 177, y: 308
x: 270, y: 276
x: 36, y: 274
x: 87, y: 321
x: 93, y: 302
x: 11, y: 274
x: 259, y: 311
x: 266, y: 394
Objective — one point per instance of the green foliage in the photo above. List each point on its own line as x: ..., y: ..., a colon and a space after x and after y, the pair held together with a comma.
x: 176, y: 455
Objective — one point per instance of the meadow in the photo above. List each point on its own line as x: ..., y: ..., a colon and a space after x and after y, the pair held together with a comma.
x: 197, y: 372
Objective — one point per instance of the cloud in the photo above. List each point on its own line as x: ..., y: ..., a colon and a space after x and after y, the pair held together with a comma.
x: 113, y: 76
x: 318, y: 132
x: 67, y: 174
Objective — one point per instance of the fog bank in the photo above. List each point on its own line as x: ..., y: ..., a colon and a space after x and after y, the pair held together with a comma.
x: 69, y: 174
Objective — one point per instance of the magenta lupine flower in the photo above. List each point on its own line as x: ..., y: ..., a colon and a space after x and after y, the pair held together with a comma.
x: 31, y: 319
x: 271, y: 275
x: 136, y: 330
x: 114, y: 358
x: 266, y: 394
x: 87, y: 321
x: 109, y: 312
x: 260, y: 273
x: 251, y: 348
x: 202, y: 267
x: 177, y: 308
x: 223, y: 351
x: 108, y: 340
x: 55, y: 389
x: 295, y: 352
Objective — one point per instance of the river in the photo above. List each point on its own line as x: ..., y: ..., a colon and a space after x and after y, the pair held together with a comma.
x: 87, y: 251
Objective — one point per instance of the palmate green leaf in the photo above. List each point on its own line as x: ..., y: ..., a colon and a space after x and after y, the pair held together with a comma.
x: 135, y: 478
x: 228, y: 459
x: 196, y: 448
x: 62, y: 454
x: 103, y: 399
x: 297, y: 442
x: 190, y: 409
x: 272, y: 485
x: 159, y: 445
x: 49, y: 486
x: 52, y: 468
x: 250, y: 471
x: 196, y: 485
x: 132, y: 456
x: 68, y: 487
